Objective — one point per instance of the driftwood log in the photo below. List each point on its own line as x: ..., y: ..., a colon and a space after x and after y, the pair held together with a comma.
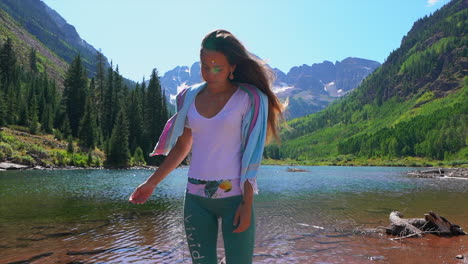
x: 417, y: 227
x: 449, y: 173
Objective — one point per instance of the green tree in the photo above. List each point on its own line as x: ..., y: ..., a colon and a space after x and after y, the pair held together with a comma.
x: 119, y: 154
x: 3, y: 109
x: 135, y: 110
x: 74, y: 94
x: 138, y: 157
x: 70, y: 147
x: 33, y: 117
x: 153, y: 113
x: 88, y: 128
x: 100, y: 78
x: 47, y: 119
x: 33, y: 61
x: 12, y: 105
x: 65, y: 127
x: 108, y: 105
x: 7, y: 61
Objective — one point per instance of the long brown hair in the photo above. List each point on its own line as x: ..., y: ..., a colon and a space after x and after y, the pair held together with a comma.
x: 251, y: 70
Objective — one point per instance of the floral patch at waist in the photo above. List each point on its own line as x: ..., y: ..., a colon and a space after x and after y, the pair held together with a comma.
x: 214, y: 189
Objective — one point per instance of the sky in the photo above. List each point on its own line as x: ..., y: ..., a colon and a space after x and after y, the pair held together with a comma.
x: 140, y: 35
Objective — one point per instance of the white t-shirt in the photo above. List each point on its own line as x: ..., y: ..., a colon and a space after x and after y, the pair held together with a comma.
x: 216, y: 141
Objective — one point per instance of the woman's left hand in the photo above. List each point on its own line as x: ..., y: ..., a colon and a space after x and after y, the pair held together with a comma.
x: 243, y: 217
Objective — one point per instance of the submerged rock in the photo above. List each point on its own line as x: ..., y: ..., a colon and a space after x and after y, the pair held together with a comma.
x: 296, y: 170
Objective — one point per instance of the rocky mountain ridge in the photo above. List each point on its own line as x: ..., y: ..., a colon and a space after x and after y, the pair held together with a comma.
x: 310, y: 88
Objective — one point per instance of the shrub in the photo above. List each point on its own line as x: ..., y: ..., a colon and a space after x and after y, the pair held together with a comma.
x: 38, y: 151
x: 23, y: 159
x: 5, y: 149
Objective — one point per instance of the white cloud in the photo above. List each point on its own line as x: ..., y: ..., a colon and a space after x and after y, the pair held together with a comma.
x: 432, y: 2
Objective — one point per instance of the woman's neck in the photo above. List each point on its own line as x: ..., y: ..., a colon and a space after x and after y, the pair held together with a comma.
x: 220, y: 88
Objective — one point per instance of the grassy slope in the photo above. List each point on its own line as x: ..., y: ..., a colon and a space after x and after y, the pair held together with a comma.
x: 19, y: 146
x: 22, y: 44
x: 321, y: 145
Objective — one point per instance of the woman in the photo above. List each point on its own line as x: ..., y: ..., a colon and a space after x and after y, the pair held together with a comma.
x: 226, y: 122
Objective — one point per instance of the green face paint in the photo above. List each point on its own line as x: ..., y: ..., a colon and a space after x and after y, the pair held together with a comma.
x: 215, y: 69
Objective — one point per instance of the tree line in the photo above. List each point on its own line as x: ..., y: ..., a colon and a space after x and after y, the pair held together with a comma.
x: 99, y: 112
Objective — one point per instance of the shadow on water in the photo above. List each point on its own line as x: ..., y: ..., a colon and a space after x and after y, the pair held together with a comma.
x: 318, y: 216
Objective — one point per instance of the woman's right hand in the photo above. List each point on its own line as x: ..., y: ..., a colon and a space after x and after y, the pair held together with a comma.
x: 142, y: 193
x: 174, y: 158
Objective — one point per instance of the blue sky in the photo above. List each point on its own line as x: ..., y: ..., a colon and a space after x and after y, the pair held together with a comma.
x: 139, y: 35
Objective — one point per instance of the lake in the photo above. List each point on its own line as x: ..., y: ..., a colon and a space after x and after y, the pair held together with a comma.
x: 82, y: 216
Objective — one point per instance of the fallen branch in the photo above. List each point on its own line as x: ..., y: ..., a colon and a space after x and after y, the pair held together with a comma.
x: 417, y: 227
x: 412, y: 235
x: 444, y: 227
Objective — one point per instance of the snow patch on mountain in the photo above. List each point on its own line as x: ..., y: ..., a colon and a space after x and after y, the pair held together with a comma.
x: 179, y: 89
x: 282, y: 88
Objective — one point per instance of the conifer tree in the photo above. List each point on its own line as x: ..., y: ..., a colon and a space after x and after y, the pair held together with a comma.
x: 33, y: 116
x: 108, y: 105
x: 23, y: 109
x: 138, y: 157
x: 99, y: 91
x: 33, y: 61
x: 88, y: 127
x: 89, y: 161
x: 70, y: 147
x: 3, y: 109
x: 164, y: 110
x: 7, y: 62
x: 119, y: 154
x: 49, y: 101
x: 117, y: 95
x: 136, y: 122
x: 75, y: 94
x: 47, y: 120
x: 144, y: 138
x: 100, y: 81
x: 153, y: 112
x: 65, y: 127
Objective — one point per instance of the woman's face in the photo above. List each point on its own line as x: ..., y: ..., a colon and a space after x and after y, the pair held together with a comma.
x: 215, y: 67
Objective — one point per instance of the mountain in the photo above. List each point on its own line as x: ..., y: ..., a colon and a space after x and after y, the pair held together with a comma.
x: 312, y: 88
x: 413, y: 106
x: 52, y: 30
x: 180, y: 77
x: 309, y: 88
x: 23, y: 42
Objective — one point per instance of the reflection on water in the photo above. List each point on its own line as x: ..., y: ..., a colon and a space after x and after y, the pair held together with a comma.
x: 82, y: 216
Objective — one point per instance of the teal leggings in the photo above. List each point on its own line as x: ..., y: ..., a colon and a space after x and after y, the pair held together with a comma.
x: 201, y: 227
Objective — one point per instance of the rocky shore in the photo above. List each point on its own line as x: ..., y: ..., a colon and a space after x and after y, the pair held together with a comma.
x: 4, y: 166
x: 459, y: 173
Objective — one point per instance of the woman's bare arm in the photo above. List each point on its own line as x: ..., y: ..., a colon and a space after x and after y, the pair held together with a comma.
x: 173, y: 159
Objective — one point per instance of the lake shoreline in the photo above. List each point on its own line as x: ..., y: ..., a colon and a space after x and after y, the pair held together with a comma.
x: 8, y: 166
x: 408, y: 161
x: 437, y: 172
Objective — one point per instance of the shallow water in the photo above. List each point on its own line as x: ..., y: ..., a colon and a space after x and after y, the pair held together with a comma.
x: 82, y: 216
